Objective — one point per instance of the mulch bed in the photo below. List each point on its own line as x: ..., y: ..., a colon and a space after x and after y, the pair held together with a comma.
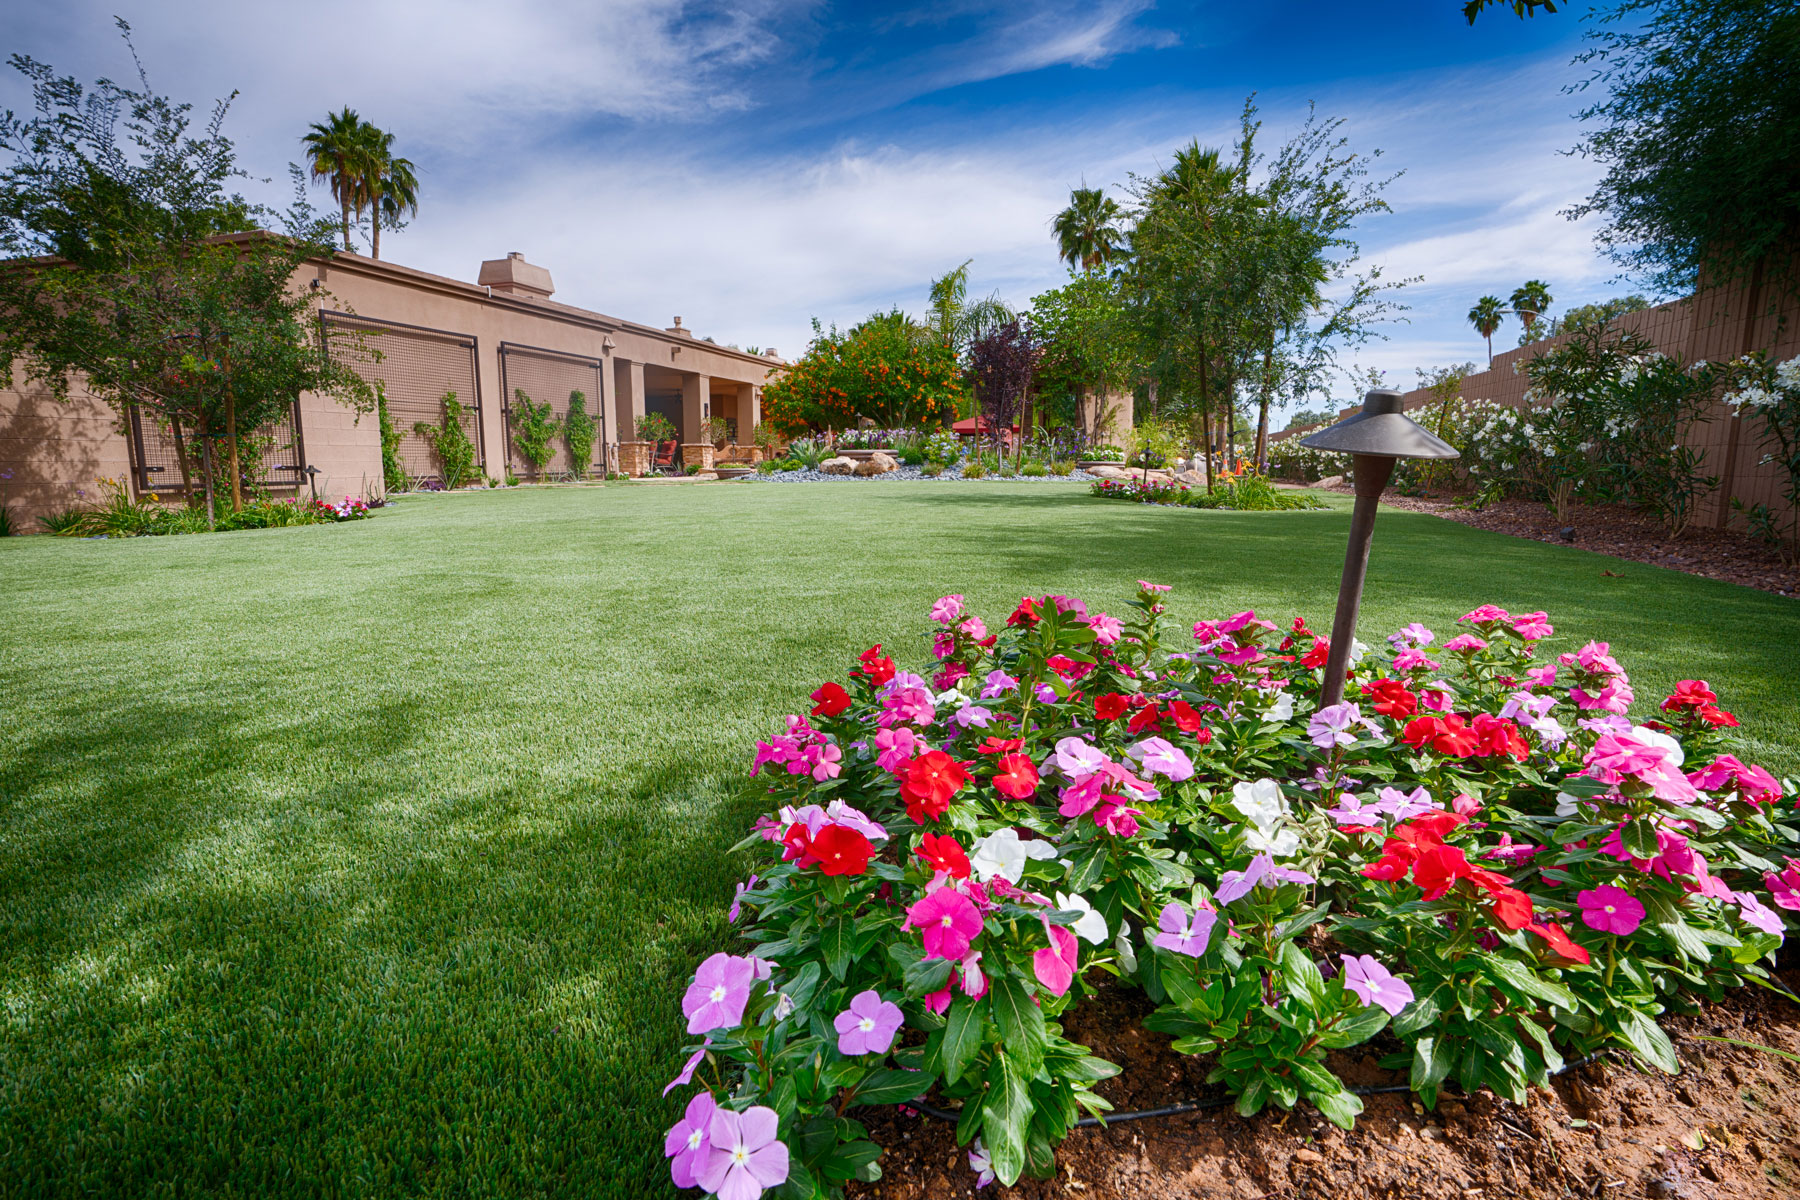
x: 1623, y: 533
x: 1727, y: 1127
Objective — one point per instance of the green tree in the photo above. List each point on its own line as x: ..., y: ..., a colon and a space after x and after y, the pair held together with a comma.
x: 1699, y: 136
x: 1088, y: 348
x: 1486, y: 316
x: 392, y: 185
x: 1520, y: 8
x: 152, y: 286
x: 1531, y: 300
x: 1594, y: 316
x: 1087, y: 232
x: 954, y: 320
x: 338, y: 151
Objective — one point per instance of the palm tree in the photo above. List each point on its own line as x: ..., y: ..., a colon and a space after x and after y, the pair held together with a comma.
x: 1086, y: 233
x: 955, y: 320
x: 1531, y: 300
x: 1486, y: 316
x: 392, y: 186
x: 338, y: 150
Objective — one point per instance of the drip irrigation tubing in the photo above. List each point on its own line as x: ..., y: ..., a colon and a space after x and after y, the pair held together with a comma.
x: 1176, y: 1110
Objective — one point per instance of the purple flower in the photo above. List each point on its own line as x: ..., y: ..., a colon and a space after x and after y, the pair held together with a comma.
x: 1760, y: 915
x: 1373, y: 984
x: 1413, y: 635
x: 687, y: 1142
x: 1077, y: 759
x: 971, y: 714
x: 1236, y: 884
x: 1331, y: 726
x: 716, y: 998
x: 1610, y: 910
x: 687, y: 1070
x: 737, y: 899
x: 868, y: 1025
x: 1403, y: 806
x: 1046, y: 694
x: 840, y: 813
x: 1182, y: 933
x: 982, y: 1164
x: 1157, y: 756
x: 746, y: 1157
x: 996, y: 685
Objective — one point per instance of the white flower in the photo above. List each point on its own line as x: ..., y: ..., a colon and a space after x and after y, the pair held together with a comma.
x: 1260, y: 802
x: 1002, y: 853
x: 1565, y: 804
x: 1282, y: 710
x: 951, y: 697
x: 1126, y: 951
x: 1669, y: 746
x: 1279, y: 843
x: 1357, y: 650
x: 1091, y: 926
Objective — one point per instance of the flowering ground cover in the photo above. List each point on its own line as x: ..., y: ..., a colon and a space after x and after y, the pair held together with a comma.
x: 381, y: 857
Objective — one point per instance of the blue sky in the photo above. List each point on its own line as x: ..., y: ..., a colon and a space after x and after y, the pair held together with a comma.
x: 753, y: 165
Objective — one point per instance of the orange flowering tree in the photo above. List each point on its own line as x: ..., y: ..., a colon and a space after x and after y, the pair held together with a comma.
x: 886, y: 370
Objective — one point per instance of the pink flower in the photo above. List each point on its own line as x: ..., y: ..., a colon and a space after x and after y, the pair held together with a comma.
x: 686, y: 1076
x: 1184, y: 934
x: 1464, y: 643
x: 1544, y: 676
x: 1413, y: 660
x: 1055, y: 966
x: 1487, y: 614
x: 1760, y: 915
x: 1465, y: 805
x: 947, y: 609
x: 1374, y: 984
x: 716, y: 998
x: 895, y: 748
x: 1784, y: 888
x: 868, y: 1025
x: 1434, y: 699
x: 1615, y: 697
x: 746, y: 1156
x: 1144, y: 586
x: 1117, y: 819
x: 1158, y: 756
x: 1414, y: 634
x: 1075, y: 757
x: 1753, y: 783
x: 1610, y: 910
x: 824, y: 761
x: 975, y: 628
x: 1532, y: 626
x: 687, y: 1143
x: 907, y: 706
x: 1107, y: 630
x: 737, y: 899
x: 948, y: 922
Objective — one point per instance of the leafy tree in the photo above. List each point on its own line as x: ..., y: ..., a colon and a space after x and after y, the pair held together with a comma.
x: 534, y: 430
x: 1700, y: 139
x: 1531, y: 300
x: 1301, y: 418
x: 579, y: 430
x: 1594, y: 316
x: 1003, y: 362
x: 137, y: 271
x: 955, y: 320
x: 1520, y: 8
x: 1087, y: 347
x: 1087, y: 232
x: 392, y: 185
x: 1486, y: 316
x: 883, y: 370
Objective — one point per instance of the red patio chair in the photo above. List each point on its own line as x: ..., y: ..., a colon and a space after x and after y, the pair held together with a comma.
x: 665, y: 456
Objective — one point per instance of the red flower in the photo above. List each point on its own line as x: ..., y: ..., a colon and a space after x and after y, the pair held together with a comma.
x: 1144, y: 718
x: 1321, y: 650
x: 1512, y: 908
x: 1447, y: 735
x: 1063, y: 665
x: 1109, y: 707
x: 1714, y: 715
x: 1187, y: 719
x: 877, y: 667
x: 945, y: 853
x: 928, y: 782
x: 841, y: 851
x: 1015, y: 775
x: 1389, y: 867
x: 996, y: 745
x: 1690, y: 693
x: 796, y: 842
x: 830, y: 700
x: 1439, y: 868
x: 1560, y: 942
x: 1434, y: 827
x: 1497, y: 735
x: 1391, y: 698
x: 1028, y: 614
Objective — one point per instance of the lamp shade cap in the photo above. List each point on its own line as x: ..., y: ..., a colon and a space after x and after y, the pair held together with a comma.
x: 1383, y: 429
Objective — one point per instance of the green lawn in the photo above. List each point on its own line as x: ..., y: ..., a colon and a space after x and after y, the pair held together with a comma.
x: 372, y: 859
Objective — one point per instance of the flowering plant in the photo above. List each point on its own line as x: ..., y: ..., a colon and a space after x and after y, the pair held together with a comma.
x: 1770, y: 393
x: 1478, y: 851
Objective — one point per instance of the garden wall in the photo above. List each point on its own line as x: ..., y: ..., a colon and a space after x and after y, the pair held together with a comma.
x: 1712, y: 325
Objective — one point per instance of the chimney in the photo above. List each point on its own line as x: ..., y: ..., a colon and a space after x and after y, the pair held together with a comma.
x: 516, y: 277
x: 678, y: 331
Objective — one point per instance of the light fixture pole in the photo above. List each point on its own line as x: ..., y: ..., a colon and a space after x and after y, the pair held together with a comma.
x: 1374, y: 438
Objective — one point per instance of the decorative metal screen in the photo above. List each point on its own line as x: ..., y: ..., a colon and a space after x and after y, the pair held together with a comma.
x: 549, y: 376
x: 278, y: 462
x: 416, y: 368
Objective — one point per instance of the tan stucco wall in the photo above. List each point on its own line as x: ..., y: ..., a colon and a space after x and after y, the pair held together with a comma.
x: 54, y: 450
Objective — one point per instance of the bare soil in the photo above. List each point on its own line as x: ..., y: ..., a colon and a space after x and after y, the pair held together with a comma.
x: 1727, y: 1127
x: 1623, y: 533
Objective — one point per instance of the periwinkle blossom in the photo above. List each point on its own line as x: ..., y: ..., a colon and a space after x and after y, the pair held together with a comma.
x: 1414, y: 634
x: 1002, y: 854
x: 1234, y: 885
x: 868, y: 1025
x: 1414, y: 660
x: 1784, y: 887
x: 747, y: 1156
x: 1760, y: 916
x: 1075, y: 757
x: 982, y: 1163
x: 948, y: 921
x: 1281, y: 711
x: 1184, y: 933
x: 909, y: 706
x: 1464, y: 643
x: 1264, y: 808
x: 1107, y: 630
x: 1045, y: 694
x: 1610, y: 910
x: 997, y: 684
x: 1158, y: 756
x: 1330, y: 727
x: 1091, y: 927
x: 947, y: 609
x: 716, y: 997
x: 1532, y: 627
x: 825, y: 761
x: 686, y: 1074
x: 1375, y: 984
x: 975, y: 628
x: 972, y: 716
x: 687, y: 1144
x: 895, y: 747
x: 737, y: 899
x: 1055, y: 966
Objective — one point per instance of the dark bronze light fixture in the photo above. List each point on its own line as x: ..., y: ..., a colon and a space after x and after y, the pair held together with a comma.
x: 1374, y: 438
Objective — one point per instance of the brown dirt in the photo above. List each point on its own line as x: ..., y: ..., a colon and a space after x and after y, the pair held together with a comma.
x: 1623, y: 533
x: 1727, y: 1127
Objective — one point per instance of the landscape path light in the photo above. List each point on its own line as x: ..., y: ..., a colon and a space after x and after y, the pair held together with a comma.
x: 312, y: 481
x: 1374, y: 438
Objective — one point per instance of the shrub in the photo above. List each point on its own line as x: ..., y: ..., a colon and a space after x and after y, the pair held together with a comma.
x: 654, y: 427
x: 1488, y: 861
x: 932, y: 470
x: 1769, y: 394
x: 975, y: 468
x: 1035, y: 470
x: 394, y: 475
x: 943, y: 448
x: 1105, y: 452
x: 455, y: 452
x: 534, y: 429
x: 809, y: 452
x: 580, y: 431
x: 880, y: 370
x: 1243, y: 493
x: 1062, y: 466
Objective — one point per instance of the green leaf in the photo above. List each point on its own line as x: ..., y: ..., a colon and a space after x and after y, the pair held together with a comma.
x: 962, y: 1037
x: 1006, y: 1115
x: 1357, y: 1028
x: 837, y: 939
x: 1422, y: 1013
x: 1432, y: 1061
x: 888, y: 1086
x: 1340, y: 1107
x: 1087, y: 867
x: 848, y: 1160
x: 1086, y: 1069
x: 1250, y: 1101
x: 1517, y: 975
x: 1021, y: 1023
x: 1638, y: 839
x: 1305, y: 920
x: 927, y: 975
x: 1301, y: 975
x: 1647, y: 1039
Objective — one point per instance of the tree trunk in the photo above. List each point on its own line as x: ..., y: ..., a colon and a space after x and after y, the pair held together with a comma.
x: 237, y: 476
x: 1262, y: 416
x: 206, y: 454
x: 1206, y: 418
x: 346, y: 204
x: 375, y: 231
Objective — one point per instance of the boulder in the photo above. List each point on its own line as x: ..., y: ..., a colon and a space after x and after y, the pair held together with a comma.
x: 1191, y: 477
x: 878, y: 463
x: 1115, y: 473
x: 838, y: 466
x: 1331, y: 481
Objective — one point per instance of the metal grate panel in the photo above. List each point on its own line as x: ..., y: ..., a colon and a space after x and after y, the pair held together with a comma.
x: 416, y: 368
x: 546, y: 375
x: 279, y: 462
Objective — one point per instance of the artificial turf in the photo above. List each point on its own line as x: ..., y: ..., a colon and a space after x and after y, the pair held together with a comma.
x: 372, y: 859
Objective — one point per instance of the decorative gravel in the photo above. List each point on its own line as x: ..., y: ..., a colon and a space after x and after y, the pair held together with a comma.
x: 917, y: 475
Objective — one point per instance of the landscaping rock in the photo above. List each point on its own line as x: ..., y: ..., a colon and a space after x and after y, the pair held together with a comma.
x: 1330, y: 481
x: 878, y: 463
x: 1108, y: 473
x: 838, y: 466
x: 1191, y: 477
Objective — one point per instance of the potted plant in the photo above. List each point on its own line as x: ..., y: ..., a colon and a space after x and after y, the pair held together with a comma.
x: 651, y: 428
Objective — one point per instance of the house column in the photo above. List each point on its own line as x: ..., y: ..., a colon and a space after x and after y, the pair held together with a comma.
x: 610, y: 433
x: 696, y: 404
x: 749, y: 412
x: 628, y: 400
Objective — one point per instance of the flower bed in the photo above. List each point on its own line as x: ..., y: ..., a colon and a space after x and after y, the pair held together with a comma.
x: 1480, y: 855
x: 1248, y: 493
